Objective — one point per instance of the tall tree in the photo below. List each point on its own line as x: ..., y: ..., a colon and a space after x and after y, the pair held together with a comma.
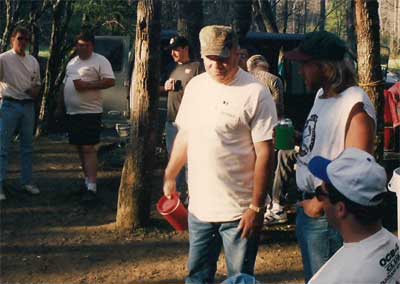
x: 241, y: 17
x: 190, y: 21
x: 134, y: 199
x: 351, y: 26
x: 36, y: 10
x: 322, y: 15
x: 264, y: 11
x: 285, y: 15
x: 305, y: 16
x: 62, y: 11
x: 369, y: 67
x: 13, y: 8
x: 395, y: 42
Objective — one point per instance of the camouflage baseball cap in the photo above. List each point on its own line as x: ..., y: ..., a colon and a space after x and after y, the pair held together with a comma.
x: 217, y: 40
x: 318, y: 45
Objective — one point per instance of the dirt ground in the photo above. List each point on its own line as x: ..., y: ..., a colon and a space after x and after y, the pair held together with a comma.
x: 53, y: 238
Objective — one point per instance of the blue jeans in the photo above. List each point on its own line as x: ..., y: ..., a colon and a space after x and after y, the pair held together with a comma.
x: 284, y: 171
x: 206, y: 240
x: 318, y: 241
x: 171, y: 130
x: 17, y: 116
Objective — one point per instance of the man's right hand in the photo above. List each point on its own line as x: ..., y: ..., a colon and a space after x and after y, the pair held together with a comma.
x: 169, y: 187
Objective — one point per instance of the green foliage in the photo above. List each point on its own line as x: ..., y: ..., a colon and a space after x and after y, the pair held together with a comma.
x: 336, y: 17
x: 106, y: 17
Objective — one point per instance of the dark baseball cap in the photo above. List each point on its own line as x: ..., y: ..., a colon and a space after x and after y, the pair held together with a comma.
x: 321, y: 45
x: 178, y: 41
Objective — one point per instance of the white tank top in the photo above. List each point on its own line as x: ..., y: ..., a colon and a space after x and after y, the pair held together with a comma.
x: 324, y: 131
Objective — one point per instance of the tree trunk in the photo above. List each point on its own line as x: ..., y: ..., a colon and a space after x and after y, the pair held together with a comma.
x: 190, y: 22
x: 241, y: 17
x: 369, y: 68
x: 34, y: 46
x: 322, y: 15
x: 12, y: 14
x: 134, y: 199
x: 257, y: 18
x: 3, y: 16
x: 62, y: 11
x: 285, y: 16
x: 305, y: 16
x: 273, y: 7
x: 34, y: 15
x: 395, y: 39
x: 267, y: 15
x: 351, y: 26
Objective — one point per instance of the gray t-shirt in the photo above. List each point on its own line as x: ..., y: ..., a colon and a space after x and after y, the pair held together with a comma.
x: 182, y: 73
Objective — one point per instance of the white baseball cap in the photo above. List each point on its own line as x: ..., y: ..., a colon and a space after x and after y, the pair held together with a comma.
x: 354, y: 173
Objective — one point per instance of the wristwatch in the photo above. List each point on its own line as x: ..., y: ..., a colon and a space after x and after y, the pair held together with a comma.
x: 257, y: 209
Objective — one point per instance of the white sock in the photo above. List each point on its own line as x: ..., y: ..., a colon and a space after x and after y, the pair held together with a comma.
x: 92, y: 186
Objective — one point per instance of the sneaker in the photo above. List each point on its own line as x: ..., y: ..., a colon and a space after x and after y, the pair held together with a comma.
x: 272, y: 217
x: 30, y: 188
x: 2, y: 194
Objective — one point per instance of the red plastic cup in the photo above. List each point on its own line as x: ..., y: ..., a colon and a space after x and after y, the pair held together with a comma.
x: 174, y: 212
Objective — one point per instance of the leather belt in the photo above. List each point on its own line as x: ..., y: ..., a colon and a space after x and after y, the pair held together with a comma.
x: 23, y: 101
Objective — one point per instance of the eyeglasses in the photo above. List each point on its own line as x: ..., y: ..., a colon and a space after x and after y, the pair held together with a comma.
x: 21, y: 38
x: 320, y: 193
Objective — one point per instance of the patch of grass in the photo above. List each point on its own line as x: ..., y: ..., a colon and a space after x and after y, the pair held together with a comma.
x: 44, y: 53
x: 394, y: 65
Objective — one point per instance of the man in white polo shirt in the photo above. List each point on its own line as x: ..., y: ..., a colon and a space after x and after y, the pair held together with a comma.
x: 19, y: 87
x: 225, y: 124
x: 352, y: 198
x: 86, y: 75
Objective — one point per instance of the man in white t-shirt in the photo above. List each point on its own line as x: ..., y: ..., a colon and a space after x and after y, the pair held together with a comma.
x: 225, y: 124
x: 19, y: 87
x: 86, y: 75
x: 352, y: 195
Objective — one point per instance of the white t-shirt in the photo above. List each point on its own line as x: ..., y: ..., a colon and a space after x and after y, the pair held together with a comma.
x: 18, y: 74
x: 223, y: 122
x: 95, y: 68
x: 375, y: 260
x: 325, y: 130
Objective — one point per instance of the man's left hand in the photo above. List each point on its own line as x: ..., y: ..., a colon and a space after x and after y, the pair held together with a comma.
x: 251, y: 223
x: 312, y: 207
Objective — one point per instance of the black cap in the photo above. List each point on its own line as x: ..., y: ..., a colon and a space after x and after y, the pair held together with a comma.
x: 321, y: 45
x: 178, y: 41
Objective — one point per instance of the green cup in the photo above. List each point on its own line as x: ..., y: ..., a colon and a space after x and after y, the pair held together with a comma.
x: 284, y: 134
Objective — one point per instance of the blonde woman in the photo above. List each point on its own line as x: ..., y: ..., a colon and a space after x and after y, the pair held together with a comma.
x: 342, y: 117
